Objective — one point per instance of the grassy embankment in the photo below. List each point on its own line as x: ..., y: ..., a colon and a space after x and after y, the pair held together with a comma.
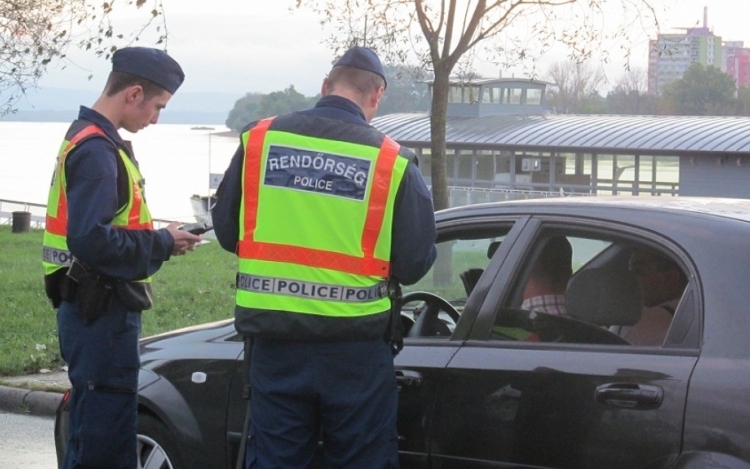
x: 188, y: 290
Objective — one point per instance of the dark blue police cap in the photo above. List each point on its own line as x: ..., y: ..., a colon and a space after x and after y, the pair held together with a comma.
x: 363, y: 59
x: 152, y: 64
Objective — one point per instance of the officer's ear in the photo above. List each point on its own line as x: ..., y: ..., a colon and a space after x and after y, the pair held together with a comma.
x: 133, y: 94
x: 376, y: 96
x: 324, y: 87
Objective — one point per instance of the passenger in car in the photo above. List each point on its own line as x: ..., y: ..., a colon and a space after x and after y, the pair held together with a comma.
x: 662, y: 282
x: 545, y: 289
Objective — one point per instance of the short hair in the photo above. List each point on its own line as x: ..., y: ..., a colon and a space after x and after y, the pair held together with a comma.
x: 663, y: 263
x: 118, y: 81
x: 362, y: 81
x: 554, y: 263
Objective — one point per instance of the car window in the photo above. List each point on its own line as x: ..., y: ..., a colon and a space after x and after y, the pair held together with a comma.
x: 592, y: 288
x: 585, y: 249
x: 461, y: 260
x: 455, y: 258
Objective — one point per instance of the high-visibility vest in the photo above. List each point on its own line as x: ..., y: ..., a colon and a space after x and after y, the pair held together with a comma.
x: 315, y: 224
x: 134, y: 215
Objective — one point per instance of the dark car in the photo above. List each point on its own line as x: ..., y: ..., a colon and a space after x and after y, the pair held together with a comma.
x: 487, y: 383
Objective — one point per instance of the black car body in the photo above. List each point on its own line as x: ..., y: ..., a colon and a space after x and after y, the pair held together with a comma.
x: 475, y: 394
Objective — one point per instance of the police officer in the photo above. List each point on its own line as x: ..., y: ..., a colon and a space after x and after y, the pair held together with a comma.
x: 322, y: 210
x: 100, y: 250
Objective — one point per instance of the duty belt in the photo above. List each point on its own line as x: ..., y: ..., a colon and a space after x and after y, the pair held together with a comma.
x: 317, y: 291
x: 56, y: 256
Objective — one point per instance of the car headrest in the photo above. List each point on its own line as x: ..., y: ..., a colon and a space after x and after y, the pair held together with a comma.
x: 605, y: 297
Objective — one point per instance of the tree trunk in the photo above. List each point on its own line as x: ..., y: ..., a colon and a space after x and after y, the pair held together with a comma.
x: 438, y: 114
x: 442, y: 271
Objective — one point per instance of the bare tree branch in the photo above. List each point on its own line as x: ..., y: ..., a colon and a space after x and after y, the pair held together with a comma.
x: 34, y: 33
x: 443, y: 43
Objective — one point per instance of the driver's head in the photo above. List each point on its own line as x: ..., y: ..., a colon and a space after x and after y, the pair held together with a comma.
x: 552, y: 269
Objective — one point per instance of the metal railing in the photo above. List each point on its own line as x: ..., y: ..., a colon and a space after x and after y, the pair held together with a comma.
x: 458, y: 196
x: 39, y: 213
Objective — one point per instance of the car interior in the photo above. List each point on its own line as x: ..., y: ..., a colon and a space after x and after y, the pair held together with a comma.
x: 602, y: 302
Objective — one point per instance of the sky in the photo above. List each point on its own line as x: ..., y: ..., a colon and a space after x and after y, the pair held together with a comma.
x: 240, y: 46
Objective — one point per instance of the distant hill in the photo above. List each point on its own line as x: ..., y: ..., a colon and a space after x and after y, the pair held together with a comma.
x: 61, y: 105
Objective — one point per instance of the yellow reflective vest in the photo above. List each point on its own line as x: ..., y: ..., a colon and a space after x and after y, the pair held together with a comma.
x: 315, y: 234
x: 134, y: 215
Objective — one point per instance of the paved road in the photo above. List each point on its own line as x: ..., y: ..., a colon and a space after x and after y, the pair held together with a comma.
x: 27, y: 442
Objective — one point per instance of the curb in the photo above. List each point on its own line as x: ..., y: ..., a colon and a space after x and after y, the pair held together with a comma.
x: 25, y: 401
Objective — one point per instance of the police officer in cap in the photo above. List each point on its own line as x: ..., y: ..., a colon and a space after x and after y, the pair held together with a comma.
x: 323, y: 210
x: 100, y: 251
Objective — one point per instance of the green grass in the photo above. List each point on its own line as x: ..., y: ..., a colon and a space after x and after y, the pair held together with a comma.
x: 188, y: 290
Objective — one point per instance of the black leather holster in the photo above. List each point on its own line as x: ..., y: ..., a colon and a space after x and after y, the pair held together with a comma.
x: 395, y: 331
x: 93, y: 292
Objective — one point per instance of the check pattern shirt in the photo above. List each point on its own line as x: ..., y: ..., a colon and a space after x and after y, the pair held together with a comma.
x: 550, y: 304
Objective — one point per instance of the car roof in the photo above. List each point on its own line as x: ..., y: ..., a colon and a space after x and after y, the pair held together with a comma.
x: 737, y: 209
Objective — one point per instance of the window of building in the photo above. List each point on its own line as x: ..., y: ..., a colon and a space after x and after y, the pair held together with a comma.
x: 486, y: 165
x: 465, y: 166
x: 603, y: 176
x: 425, y: 162
x: 624, y: 174
x: 455, y: 94
x: 487, y: 96
x: 471, y: 94
x: 533, y: 96
x: 515, y: 95
x: 575, y: 175
x: 667, y: 170
x: 450, y: 164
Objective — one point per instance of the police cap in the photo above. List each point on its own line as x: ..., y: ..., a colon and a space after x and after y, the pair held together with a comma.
x: 153, y: 65
x: 363, y: 59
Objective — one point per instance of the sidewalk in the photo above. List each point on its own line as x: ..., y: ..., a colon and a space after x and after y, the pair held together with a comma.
x: 38, y: 394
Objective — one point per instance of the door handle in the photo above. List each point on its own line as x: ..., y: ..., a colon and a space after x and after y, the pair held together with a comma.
x: 408, y: 378
x: 630, y: 395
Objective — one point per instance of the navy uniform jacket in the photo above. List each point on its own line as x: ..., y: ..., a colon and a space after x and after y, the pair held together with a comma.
x: 413, y: 244
x: 92, y: 190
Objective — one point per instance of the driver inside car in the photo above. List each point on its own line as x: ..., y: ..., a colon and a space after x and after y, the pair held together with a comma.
x: 545, y: 288
x: 544, y: 292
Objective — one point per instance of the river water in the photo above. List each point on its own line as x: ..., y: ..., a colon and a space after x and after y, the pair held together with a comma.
x: 175, y: 160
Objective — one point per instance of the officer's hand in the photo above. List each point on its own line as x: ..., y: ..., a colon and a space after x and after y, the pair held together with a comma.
x: 183, y: 241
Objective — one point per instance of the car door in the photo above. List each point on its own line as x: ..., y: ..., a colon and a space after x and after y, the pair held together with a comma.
x: 464, y: 247
x: 237, y: 403
x: 522, y: 402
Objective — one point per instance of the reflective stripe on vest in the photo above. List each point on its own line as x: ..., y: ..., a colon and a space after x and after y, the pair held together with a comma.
x: 133, y: 216
x: 317, y: 291
x: 56, y: 256
x: 291, y: 179
x: 57, y: 222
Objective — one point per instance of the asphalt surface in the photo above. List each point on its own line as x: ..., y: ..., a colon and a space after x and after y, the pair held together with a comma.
x: 27, y: 441
x: 33, y: 394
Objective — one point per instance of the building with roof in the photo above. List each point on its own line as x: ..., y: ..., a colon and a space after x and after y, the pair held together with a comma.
x: 670, y: 55
x: 512, y: 147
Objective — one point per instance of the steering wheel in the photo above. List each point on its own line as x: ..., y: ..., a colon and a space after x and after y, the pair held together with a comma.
x: 428, y: 323
x: 544, y: 327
